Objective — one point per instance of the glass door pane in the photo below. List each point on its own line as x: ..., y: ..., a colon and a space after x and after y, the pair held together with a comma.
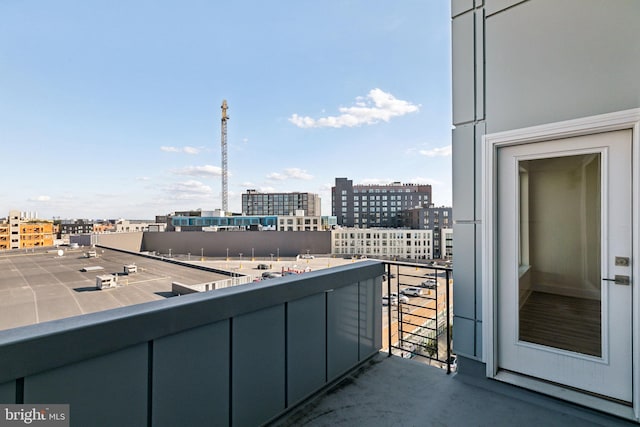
x: 559, y: 252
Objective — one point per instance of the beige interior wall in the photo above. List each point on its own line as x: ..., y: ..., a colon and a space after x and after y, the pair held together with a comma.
x: 564, y: 226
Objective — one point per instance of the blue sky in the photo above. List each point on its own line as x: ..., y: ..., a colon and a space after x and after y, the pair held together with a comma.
x: 112, y: 109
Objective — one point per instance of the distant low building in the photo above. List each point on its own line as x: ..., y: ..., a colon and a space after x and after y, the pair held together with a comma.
x: 24, y: 230
x: 383, y: 243
x: 224, y: 223
x: 301, y: 222
x: 105, y: 226
x: 68, y: 227
x: 132, y: 225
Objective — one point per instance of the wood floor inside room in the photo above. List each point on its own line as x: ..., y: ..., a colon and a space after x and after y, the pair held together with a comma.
x: 563, y: 322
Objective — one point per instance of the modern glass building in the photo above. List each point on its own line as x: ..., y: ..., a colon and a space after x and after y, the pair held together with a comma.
x: 256, y: 203
x: 224, y: 221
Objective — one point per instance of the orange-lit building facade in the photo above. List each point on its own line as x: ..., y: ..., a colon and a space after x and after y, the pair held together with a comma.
x: 5, y: 236
x: 36, y: 234
x: 19, y: 233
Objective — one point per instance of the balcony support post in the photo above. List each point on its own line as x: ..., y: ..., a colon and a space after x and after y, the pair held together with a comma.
x: 389, y: 307
x: 448, y: 292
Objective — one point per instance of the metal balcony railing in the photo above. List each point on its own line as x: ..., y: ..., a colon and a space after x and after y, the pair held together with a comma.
x: 417, y: 312
x: 239, y: 356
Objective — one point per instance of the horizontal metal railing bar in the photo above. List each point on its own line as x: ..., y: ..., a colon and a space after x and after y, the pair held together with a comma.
x: 413, y: 276
x: 409, y: 285
x: 427, y: 330
x: 426, y: 318
x: 417, y: 325
x: 411, y: 335
x: 415, y: 333
x: 415, y: 264
x: 423, y: 296
x: 428, y: 310
x: 408, y: 304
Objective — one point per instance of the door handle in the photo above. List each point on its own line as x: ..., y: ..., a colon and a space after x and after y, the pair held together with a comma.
x: 620, y: 280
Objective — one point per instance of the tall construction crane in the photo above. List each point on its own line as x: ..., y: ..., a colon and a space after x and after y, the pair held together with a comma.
x: 223, y: 142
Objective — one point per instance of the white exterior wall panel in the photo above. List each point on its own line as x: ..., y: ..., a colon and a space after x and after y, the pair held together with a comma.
x: 518, y: 64
x: 548, y: 61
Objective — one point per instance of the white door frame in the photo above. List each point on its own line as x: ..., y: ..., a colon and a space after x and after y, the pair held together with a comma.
x: 628, y: 119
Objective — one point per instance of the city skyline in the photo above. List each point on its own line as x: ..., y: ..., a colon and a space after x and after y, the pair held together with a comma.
x: 114, y: 111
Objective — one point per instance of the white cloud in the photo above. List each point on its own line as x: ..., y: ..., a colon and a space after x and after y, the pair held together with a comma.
x: 298, y: 174
x: 186, y: 149
x: 169, y: 149
x: 276, y: 176
x: 143, y: 178
x: 437, y: 152
x: 377, y: 105
x: 191, y: 150
x: 206, y: 170
x: 189, y: 190
x: 58, y: 203
x: 290, y: 173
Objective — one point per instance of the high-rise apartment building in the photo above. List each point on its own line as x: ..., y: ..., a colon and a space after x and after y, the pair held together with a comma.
x: 368, y: 206
x: 256, y: 203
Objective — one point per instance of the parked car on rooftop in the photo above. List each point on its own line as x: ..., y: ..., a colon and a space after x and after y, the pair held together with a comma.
x: 412, y: 291
x: 401, y: 298
x: 429, y: 284
x: 393, y: 299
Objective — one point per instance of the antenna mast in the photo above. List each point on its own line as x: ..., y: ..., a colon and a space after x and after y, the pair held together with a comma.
x: 225, y: 188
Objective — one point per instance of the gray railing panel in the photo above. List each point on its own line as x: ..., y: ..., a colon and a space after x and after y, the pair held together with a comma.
x: 306, y: 346
x: 107, y: 365
x: 370, y: 321
x: 191, y: 377
x: 21, y: 347
x: 8, y: 392
x: 109, y: 390
x: 342, y: 330
x: 258, y: 366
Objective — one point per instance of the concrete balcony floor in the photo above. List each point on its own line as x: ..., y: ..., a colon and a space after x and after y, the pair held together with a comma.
x: 400, y: 392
